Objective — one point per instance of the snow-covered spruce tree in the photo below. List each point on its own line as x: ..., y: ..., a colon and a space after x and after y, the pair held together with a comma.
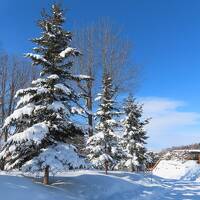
x: 43, y: 134
x: 102, y: 146
x: 134, y: 137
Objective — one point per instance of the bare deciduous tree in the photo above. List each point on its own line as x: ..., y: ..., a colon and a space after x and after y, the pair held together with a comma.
x: 3, y: 86
x: 115, y: 56
x: 15, y: 73
x: 86, y: 64
x: 104, y: 49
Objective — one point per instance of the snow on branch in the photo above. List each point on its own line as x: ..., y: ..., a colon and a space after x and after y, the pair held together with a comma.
x: 82, y: 77
x: 17, y: 114
x: 53, y: 76
x: 24, y: 99
x: 38, y: 81
x: 36, y: 90
x: 35, y: 133
x: 36, y: 57
x: 69, y: 51
x: 62, y: 87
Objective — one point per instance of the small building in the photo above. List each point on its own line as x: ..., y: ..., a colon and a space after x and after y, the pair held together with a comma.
x: 184, y: 154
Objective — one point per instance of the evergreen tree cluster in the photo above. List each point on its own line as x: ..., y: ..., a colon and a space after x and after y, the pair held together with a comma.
x: 43, y: 133
x: 103, y: 145
x: 107, y: 149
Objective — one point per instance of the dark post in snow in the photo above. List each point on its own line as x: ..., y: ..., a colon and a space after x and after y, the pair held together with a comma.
x: 106, y: 167
x: 46, y: 175
x: 199, y: 159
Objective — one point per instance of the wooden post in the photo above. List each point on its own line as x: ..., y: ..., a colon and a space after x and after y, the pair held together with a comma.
x: 5, y: 135
x: 106, y: 167
x: 46, y: 176
x: 199, y: 159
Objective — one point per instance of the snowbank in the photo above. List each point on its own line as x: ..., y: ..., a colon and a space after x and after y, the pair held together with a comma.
x: 178, y: 169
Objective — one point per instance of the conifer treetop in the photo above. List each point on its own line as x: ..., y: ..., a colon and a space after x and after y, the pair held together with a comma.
x: 53, y: 51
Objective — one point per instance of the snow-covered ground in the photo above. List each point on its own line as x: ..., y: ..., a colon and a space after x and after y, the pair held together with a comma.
x: 93, y: 185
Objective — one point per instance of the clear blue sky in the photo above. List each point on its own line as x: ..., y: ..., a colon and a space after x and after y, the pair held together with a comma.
x: 166, y: 35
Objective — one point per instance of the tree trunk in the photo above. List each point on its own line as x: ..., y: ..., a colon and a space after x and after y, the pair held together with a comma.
x: 46, y: 176
x: 2, y: 165
x: 5, y: 135
x: 106, y: 167
x: 89, y: 107
x: 132, y: 168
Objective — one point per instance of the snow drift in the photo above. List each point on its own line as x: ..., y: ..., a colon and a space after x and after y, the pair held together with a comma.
x: 178, y: 169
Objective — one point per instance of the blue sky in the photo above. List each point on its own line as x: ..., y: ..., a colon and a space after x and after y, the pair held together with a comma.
x: 166, y: 37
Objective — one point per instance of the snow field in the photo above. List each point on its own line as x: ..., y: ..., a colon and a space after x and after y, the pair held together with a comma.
x: 95, y: 185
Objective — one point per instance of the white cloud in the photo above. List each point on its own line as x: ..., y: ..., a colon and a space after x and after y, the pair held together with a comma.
x: 170, y: 125
x: 155, y: 105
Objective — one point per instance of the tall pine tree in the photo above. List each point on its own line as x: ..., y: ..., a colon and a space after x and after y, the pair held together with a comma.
x: 102, y: 146
x: 43, y: 134
x: 134, y: 137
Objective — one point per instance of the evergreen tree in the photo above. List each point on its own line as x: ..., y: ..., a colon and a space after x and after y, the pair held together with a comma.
x: 134, y: 137
x: 43, y: 134
x: 102, y: 146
